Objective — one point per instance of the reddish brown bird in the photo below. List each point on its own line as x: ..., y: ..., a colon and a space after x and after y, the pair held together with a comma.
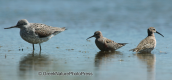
x: 105, y: 44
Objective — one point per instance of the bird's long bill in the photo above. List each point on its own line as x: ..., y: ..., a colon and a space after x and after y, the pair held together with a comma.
x: 159, y: 33
x: 90, y: 37
x: 10, y: 27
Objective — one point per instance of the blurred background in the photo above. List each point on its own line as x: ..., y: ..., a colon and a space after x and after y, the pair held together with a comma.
x: 124, y: 21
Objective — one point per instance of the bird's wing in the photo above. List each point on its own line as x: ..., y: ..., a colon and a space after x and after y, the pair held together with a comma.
x: 43, y: 30
x: 145, y: 44
x: 111, y: 44
x: 108, y: 41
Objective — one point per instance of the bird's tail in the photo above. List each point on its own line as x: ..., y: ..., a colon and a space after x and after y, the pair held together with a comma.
x: 64, y: 28
x: 59, y: 30
x: 123, y: 44
x: 134, y: 50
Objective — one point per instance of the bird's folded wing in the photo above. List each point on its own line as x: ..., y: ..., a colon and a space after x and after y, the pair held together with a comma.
x: 108, y: 41
x: 43, y: 30
x: 146, y: 43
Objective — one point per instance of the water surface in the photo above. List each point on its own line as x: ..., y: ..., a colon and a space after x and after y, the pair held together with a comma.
x: 119, y: 20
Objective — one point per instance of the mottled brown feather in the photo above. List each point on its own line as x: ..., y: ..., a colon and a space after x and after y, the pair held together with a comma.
x: 144, y: 44
x: 108, y: 41
x: 113, y: 45
x: 44, y: 30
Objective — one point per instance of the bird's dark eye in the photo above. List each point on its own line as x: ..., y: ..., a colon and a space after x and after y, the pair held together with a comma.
x: 153, y: 29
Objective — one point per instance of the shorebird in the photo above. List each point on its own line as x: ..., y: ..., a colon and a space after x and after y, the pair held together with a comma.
x: 105, y: 44
x: 36, y: 33
x: 149, y: 43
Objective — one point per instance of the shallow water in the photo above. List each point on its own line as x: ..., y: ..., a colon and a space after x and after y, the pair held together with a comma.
x: 68, y: 52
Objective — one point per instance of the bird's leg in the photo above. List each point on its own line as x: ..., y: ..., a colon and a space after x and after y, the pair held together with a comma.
x: 33, y: 47
x: 40, y: 53
x: 33, y: 53
x: 40, y: 46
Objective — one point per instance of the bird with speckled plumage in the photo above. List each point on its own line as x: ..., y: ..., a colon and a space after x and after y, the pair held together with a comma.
x: 149, y: 43
x: 105, y: 44
x: 36, y: 33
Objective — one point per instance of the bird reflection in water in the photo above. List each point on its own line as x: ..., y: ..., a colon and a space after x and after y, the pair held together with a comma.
x: 149, y: 60
x: 103, y: 56
x: 33, y: 62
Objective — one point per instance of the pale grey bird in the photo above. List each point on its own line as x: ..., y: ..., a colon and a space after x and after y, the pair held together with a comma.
x: 36, y: 33
x: 149, y: 43
x: 105, y: 44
